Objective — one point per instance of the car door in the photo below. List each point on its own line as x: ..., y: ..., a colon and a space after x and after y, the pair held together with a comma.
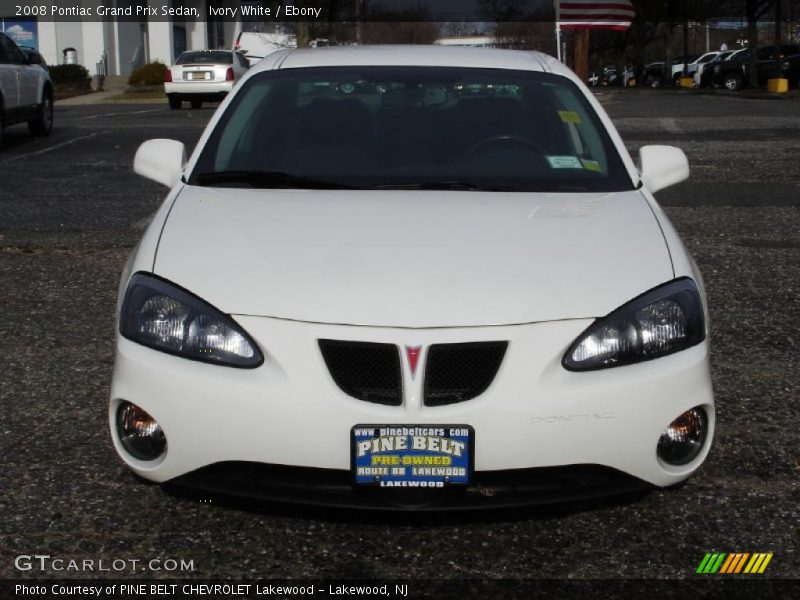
x: 9, y: 85
x: 767, y: 63
x: 27, y: 76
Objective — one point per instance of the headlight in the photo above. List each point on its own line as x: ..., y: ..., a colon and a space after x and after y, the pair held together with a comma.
x: 787, y: 65
x: 664, y: 320
x: 160, y: 315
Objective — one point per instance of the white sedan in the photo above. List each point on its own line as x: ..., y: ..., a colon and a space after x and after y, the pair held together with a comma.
x: 411, y: 278
x: 203, y: 76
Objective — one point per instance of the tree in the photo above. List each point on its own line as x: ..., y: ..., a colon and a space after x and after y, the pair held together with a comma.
x: 754, y: 10
x: 461, y: 29
x: 407, y: 25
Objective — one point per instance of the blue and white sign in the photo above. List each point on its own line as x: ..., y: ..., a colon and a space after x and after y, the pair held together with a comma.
x: 24, y: 32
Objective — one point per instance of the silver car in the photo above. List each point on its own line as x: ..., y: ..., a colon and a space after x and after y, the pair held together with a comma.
x: 203, y: 76
x: 26, y: 92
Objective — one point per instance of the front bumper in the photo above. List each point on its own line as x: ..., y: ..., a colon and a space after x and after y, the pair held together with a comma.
x: 304, y: 486
x: 290, y: 412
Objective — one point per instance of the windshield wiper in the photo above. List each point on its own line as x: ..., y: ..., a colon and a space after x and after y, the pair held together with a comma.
x: 269, y: 179
x: 444, y: 185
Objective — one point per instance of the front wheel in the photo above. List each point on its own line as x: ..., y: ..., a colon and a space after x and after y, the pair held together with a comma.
x: 43, y: 124
x: 174, y: 102
x: 654, y: 81
x: 733, y: 82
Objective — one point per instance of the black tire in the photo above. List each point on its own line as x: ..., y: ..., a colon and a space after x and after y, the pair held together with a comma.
x: 42, y: 125
x: 733, y: 81
x: 196, y: 104
x: 174, y: 101
x: 2, y: 122
x: 653, y: 81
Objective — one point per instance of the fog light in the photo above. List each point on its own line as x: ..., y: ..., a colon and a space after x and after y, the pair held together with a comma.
x: 682, y: 441
x: 139, y: 433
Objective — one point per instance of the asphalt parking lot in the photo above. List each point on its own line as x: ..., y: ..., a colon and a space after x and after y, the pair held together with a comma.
x: 71, y: 210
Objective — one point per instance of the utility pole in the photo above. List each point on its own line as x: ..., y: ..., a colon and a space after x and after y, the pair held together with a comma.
x: 359, y: 22
x: 685, y: 38
x: 581, y: 54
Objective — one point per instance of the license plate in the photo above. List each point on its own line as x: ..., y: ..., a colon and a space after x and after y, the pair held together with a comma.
x: 200, y: 75
x: 412, y: 456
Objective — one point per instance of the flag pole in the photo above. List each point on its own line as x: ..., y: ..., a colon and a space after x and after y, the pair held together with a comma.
x: 558, y: 31
x: 558, y: 41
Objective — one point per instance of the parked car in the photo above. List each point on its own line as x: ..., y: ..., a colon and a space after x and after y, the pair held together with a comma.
x: 609, y: 76
x: 410, y: 298
x: 203, y: 76
x: 698, y: 64
x: 26, y: 92
x: 654, y: 73
x: 733, y: 74
x: 790, y: 69
x: 256, y: 45
x: 702, y: 76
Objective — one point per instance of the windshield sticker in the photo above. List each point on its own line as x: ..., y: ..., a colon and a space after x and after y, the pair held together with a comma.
x: 592, y: 165
x: 564, y: 162
x: 569, y: 116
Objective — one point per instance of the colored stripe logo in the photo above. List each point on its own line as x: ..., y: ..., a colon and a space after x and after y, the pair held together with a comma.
x: 734, y: 563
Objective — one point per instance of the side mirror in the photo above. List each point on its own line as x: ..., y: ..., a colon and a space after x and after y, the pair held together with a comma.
x: 160, y: 160
x: 662, y: 166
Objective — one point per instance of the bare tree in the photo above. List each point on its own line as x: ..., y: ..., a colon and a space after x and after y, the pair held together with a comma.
x: 460, y: 29
x: 408, y: 25
x: 400, y: 32
x: 754, y: 10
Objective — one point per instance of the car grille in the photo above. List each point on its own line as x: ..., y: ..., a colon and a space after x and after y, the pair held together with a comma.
x: 364, y: 370
x: 460, y: 372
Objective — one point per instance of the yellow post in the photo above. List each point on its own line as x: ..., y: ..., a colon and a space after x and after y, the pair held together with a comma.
x: 778, y: 86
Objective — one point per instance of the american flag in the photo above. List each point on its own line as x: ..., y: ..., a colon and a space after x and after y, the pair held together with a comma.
x: 594, y: 14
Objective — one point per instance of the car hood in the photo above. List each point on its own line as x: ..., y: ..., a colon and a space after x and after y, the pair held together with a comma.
x: 412, y: 258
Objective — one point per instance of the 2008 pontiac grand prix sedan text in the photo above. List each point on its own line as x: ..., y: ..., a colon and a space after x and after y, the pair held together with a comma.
x: 395, y: 277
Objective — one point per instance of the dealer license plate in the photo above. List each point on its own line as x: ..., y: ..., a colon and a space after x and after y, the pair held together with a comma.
x: 412, y: 456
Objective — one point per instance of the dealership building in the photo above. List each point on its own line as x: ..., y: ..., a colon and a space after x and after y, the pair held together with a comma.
x: 116, y: 45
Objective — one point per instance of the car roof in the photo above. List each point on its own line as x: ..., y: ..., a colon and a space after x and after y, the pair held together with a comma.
x: 419, y: 56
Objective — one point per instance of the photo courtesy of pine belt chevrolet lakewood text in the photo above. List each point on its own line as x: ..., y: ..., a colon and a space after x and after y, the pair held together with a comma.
x: 411, y: 278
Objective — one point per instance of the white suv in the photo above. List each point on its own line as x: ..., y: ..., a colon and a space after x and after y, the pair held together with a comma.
x: 26, y: 92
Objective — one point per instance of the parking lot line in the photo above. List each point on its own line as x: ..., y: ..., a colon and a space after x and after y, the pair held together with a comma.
x: 670, y: 125
x: 133, y: 112
x: 51, y: 148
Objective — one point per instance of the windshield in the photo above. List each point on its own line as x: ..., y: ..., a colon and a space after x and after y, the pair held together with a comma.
x: 411, y: 127
x: 209, y: 57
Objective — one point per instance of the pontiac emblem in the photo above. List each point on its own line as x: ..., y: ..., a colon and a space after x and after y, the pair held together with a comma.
x: 412, y: 353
